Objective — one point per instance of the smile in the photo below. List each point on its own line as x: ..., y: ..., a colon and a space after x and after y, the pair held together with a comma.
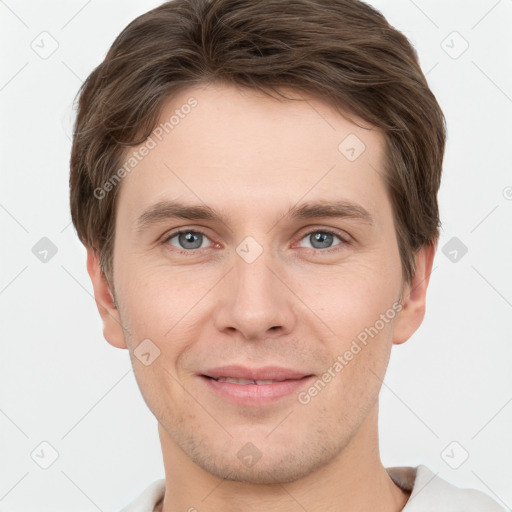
x: 254, y: 386
x: 244, y: 382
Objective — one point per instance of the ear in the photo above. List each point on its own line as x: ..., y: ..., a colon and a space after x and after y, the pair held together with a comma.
x: 112, y: 330
x: 414, y: 296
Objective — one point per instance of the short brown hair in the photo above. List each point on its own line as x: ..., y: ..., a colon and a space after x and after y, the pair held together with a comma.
x: 343, y: 52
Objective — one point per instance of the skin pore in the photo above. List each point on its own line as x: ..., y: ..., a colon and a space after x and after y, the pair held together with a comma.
x: 295, y: 294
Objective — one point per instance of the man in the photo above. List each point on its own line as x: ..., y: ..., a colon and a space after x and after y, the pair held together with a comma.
x: 256, y: 186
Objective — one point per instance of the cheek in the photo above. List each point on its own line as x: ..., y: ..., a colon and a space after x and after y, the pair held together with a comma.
x: 350, y: 297
x: 356, y: 306
x: 359, y: 351
x: 158, y: 300
x: 164, y: 304
x: 167, y: 303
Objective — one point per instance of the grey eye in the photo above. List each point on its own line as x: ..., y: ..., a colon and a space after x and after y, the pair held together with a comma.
x: 188, y: 239
x: 321, y: 239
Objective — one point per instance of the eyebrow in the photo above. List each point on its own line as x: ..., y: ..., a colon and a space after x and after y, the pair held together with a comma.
x: 165, y: 210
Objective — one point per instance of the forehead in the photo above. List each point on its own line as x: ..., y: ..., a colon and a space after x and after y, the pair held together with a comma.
x: 240, y: 147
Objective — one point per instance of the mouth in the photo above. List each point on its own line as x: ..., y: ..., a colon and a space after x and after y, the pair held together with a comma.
x: 254, y: 386
x: 244, y: 382
x: 246, y: 375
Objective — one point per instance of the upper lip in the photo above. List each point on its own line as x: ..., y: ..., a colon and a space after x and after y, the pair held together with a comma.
x: 265, y: 373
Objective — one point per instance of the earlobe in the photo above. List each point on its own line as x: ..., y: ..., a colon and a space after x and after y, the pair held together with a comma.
x: 112, y: 329
x: 414, y: 297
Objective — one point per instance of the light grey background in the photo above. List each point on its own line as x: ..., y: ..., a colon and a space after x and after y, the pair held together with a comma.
x: 448, y: 390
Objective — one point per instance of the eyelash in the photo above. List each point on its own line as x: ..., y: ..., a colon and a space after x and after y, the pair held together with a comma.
x: 192, y: 252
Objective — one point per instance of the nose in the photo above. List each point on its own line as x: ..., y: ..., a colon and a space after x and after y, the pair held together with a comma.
x: 254, y: 301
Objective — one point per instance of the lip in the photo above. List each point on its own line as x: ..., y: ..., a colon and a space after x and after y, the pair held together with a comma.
x: 287, y: 381
x: 277, y: 373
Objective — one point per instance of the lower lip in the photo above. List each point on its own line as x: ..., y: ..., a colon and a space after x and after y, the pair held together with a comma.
x: 255, y: 394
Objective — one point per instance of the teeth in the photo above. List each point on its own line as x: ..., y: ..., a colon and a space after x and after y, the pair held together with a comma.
x: 236, y: 381
x: 244, y: 381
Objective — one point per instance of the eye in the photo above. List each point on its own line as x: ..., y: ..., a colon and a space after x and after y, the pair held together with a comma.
x: 322, y: 239
x: 187, y: 239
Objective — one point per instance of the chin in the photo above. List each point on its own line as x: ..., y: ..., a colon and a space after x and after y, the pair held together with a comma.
x: 275, y: 465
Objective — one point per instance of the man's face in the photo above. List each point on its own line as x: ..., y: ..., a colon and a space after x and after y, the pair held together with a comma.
x: 261, y: 294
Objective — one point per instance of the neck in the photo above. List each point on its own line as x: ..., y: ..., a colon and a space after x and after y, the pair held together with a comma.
x: 354, y: 481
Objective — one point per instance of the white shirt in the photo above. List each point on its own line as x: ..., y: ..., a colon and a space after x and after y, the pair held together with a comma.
x: 429, y: 493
